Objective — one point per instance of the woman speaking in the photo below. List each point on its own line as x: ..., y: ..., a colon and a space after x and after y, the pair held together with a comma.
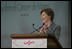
x: 49, y: 27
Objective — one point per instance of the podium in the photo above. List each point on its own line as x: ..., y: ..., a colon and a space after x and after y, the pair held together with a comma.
x: 52, y: 41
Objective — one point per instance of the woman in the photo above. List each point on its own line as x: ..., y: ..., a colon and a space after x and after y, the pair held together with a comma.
x: 49, y: 27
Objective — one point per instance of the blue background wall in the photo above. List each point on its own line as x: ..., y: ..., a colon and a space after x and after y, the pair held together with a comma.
x: 17, y: 17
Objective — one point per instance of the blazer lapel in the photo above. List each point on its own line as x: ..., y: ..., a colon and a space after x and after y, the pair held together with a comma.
x: 50, y: 28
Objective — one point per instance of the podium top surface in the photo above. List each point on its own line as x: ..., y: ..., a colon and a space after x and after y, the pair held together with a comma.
x: 28, y: 35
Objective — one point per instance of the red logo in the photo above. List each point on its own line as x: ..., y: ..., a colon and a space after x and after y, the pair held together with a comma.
x: 32, y: 42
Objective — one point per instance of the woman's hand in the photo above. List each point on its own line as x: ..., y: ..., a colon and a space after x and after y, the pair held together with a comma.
x: 43, y: 29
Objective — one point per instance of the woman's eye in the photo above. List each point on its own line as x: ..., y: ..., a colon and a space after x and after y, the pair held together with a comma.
x: 43, y: 14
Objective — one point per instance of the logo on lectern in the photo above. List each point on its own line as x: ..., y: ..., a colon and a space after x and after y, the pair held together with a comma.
x: 29, y: 42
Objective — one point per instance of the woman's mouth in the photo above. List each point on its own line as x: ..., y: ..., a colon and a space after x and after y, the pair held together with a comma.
x: 42, y: 19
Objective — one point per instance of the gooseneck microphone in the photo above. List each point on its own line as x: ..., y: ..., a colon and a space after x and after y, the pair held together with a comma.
x: 37, y: 29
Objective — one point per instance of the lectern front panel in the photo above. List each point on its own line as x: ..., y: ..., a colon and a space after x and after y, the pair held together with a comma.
x: 29, y: 43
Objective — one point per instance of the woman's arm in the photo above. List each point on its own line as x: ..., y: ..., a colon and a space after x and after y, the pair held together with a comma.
x: 57, y: 32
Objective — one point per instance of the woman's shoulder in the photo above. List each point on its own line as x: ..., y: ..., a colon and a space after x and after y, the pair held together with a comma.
x: 57, y: 26
x: 54, y: 26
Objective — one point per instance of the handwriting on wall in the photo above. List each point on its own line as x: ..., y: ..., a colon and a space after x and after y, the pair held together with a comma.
x: 22, y: 7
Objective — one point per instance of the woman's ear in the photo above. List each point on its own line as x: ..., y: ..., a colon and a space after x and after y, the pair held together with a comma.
x: 49, y: 17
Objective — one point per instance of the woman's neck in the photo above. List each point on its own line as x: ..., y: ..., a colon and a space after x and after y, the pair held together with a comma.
x: 48, y: 23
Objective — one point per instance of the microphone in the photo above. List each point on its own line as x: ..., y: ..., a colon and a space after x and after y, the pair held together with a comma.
x: 37, y: 29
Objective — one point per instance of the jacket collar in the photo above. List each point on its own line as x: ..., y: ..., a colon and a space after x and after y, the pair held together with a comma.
x: 51, y: 25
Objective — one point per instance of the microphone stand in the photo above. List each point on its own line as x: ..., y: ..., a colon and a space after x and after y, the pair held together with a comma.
x: 35, y: 30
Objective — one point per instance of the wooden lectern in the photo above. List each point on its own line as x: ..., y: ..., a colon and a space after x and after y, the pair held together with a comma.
x: 52, y: 42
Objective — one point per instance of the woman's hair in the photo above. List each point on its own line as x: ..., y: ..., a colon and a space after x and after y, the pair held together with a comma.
x: 49, y: 12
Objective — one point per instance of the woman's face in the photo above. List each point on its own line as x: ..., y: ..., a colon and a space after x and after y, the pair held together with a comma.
x: 45, y: 18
